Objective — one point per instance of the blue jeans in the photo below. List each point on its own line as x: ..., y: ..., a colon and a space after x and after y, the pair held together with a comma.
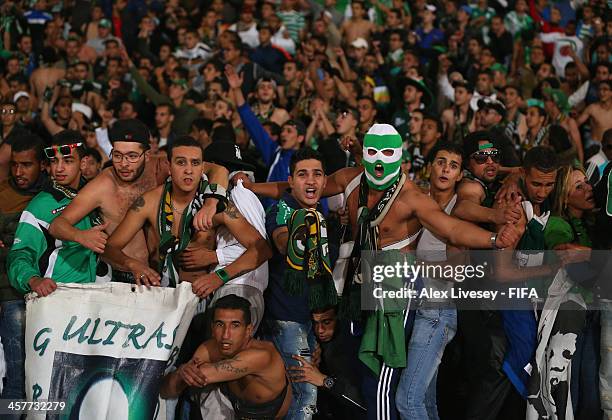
x: 292, y: 338
x: 433, y: 329
x: 12, y: 333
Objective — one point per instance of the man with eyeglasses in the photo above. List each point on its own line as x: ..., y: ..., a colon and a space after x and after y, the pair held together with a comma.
x: 169, y: 209
x: 510, y: 334
x: 476, y: 192
x: 25, y: 181
x: 115, y: 190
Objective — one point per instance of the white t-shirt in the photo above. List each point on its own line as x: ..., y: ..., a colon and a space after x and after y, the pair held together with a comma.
x: 229, y: 249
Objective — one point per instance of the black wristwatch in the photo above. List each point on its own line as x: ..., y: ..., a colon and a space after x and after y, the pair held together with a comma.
x: 329, y: 382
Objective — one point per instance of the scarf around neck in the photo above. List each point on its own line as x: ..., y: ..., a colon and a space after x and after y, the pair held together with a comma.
x: 169, y: 245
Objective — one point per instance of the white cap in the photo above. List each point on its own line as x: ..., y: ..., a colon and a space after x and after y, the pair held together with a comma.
x: 20, y: 94
x: 82, y: 108
x: 360, y: 43
x: 431, y: 8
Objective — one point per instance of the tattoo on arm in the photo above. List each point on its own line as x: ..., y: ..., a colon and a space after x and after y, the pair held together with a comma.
x: 137, y: 204
x: 231, y: 210
x: 227, y: 366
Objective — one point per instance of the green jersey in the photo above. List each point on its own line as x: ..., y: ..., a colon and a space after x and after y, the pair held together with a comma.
x: 36, y: 253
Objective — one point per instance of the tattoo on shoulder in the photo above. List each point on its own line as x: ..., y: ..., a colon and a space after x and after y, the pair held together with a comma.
x: 231, y: 210
x: 138, y: 203
x: 227, y: 365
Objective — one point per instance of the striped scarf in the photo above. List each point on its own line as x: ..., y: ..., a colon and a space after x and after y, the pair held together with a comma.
x: 169, y: 245
x: 308, y: 259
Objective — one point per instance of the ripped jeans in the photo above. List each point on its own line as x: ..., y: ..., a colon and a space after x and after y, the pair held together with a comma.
x: 291, y: 338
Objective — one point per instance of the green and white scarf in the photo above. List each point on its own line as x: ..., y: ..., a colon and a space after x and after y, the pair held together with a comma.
x: 308, y: 259
x: 169, y: 245
x: 366, y: 240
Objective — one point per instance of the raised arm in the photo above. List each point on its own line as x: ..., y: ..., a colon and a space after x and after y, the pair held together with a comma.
x: 259, y: 135
x: 143, y: 210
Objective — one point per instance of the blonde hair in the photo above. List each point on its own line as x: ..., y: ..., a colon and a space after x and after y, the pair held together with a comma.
x: 562, y: 189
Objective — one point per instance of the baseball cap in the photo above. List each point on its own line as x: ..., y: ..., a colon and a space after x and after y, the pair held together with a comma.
x: 266, y: 79
x: 535, y: 102
x: 20, y: 94
x: 180, y: 82
x: 360, y: 43
x: 130, y: 130
x: 464, y: 84
x: 104, y: 23
x: 559, y: 98
x: 494, y: 104
x: 299, y: 126
x: 431, y: 8
x: 499, y: 67
x: 471, y: 143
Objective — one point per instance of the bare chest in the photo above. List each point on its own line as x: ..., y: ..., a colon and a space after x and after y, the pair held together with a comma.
x: 392, y: 229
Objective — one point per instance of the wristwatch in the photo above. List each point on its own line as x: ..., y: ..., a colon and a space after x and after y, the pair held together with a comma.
x: 329, y: 382
x: 494, y: 241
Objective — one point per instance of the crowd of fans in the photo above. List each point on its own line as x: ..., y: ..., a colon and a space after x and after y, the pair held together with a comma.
x: 412, y: 125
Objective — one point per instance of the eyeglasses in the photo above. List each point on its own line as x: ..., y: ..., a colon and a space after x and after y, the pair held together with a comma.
x: 131, y: 157
x: 482, y: 157
x: 64, y: 150
x: 8, y: 111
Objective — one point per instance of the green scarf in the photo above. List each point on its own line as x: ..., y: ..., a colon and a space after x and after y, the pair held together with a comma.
x: 169, y: 245
x: 308, y: 259
x: 366, y: 240
x: 384, y: 339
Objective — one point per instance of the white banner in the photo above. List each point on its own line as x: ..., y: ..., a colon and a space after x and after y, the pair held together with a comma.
x: 103, y: 348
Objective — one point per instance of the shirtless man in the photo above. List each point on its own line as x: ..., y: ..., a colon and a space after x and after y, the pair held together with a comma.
x: 264, y: 108
x: 599, y: 112
x: 185, y: 191
x: 251, y: 372
x: 116, y: 189
x: 357, y: 26
x: 407, y: 214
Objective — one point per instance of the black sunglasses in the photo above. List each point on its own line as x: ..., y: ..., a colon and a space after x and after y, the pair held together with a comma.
x: 482, y: 157
x: 64, y: 150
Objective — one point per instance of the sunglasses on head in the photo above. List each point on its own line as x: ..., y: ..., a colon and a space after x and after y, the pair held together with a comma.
x: 482, y: 157
x: 64, y: 150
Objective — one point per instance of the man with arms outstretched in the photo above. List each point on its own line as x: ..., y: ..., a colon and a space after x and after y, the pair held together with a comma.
x: 251, y: 372
x: 388, y: 211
